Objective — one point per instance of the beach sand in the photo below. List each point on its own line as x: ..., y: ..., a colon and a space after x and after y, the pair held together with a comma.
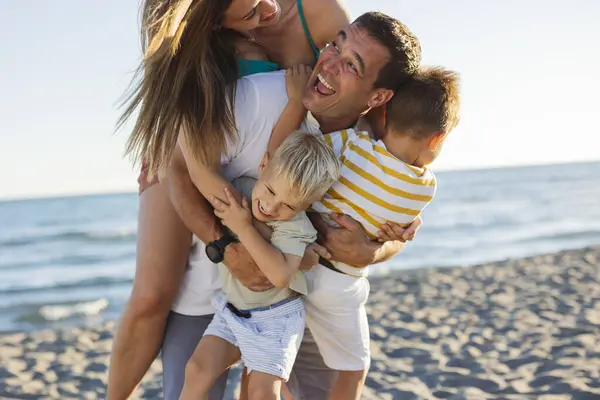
x: 516, y: 329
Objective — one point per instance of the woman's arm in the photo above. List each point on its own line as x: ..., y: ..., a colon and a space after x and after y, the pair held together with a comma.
x: 206, y: 178
x: 191, y: 206
x: 325, y: 18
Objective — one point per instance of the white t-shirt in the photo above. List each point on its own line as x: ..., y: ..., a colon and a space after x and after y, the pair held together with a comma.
x: 259, y: 101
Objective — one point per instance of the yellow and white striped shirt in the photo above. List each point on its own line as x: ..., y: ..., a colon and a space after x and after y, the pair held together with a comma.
x: 374, y: 187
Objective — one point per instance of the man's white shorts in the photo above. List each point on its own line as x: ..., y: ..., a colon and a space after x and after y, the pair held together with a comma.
x: 268, y: 341
x: 336, y: 316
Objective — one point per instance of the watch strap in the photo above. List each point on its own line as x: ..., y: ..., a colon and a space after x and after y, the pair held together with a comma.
x: 225, y: 241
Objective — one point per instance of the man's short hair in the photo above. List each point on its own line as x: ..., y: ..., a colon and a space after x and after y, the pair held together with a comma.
x: 307, y: 162
x: 428, y: 103
x: 403, y: 46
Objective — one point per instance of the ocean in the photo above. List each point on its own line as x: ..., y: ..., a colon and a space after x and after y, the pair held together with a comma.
x: 70, y: 260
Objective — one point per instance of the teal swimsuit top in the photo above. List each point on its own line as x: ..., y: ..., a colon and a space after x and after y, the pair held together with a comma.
x: 249, y: 67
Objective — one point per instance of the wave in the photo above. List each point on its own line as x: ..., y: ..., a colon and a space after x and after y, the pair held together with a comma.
x: 62, y: 311
x: 85, y: 283
x: 67, y: 260
x: 86, y: 236
x: 585, y: 234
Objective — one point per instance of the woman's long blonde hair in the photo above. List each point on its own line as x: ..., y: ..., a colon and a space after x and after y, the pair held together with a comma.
x: 184, y: 84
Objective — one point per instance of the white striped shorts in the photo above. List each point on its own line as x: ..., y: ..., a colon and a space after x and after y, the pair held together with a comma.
x: 268, y: 341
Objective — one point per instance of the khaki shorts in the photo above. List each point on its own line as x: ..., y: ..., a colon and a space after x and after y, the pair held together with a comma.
x: 337, y: 318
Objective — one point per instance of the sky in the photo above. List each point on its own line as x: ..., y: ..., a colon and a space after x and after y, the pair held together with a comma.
x: 529, y: 69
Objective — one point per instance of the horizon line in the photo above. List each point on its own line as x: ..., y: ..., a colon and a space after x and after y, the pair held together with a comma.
x: 112, y: 192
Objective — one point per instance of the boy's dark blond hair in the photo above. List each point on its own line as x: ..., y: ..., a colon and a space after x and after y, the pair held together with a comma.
x: 428, y: 103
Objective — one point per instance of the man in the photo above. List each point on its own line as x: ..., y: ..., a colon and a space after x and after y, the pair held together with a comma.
x: 360, y: 71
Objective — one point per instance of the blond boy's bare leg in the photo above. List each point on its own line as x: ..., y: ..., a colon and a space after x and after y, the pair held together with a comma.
x: 212, y: 357
x: 262, y: 386
x: 285, y: 392
x: 163, y: 245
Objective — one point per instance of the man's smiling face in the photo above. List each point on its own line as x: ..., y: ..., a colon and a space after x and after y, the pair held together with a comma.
x: 342, y: 81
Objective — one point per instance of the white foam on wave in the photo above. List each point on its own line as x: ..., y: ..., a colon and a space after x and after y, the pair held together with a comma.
x: 112, y: 234
x: 60, y: 312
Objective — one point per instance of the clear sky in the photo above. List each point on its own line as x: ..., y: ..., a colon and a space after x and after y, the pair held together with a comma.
x: 530, y: 73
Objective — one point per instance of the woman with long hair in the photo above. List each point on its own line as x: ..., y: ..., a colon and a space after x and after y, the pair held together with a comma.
x: 194, y: 51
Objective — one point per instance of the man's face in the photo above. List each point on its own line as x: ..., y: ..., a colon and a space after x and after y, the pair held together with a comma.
x: 342, y: 81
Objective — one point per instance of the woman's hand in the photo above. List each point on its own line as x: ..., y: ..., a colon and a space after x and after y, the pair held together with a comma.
x: 296, y: 79
x: 391, y: 231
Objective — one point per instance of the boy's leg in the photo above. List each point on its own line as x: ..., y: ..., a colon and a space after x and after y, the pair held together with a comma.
x: 182, y: 336
x: 336, y: 316
x: 212, y: 357
x: 244, y: 393
x: 262, y: 386
x: 269, y: 343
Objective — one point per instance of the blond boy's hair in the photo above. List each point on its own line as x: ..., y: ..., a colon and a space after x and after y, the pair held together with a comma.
x: 428, y: 103
x: 307, y: 162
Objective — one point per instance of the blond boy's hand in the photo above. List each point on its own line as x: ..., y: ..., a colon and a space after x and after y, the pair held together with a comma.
x: 234, y: 215
x: 392, y: 232
x: 296, y: 79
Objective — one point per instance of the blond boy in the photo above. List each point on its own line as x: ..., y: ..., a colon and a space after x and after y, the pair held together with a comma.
x: 265, y: 329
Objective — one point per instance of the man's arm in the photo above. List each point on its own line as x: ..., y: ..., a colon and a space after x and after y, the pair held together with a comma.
x: 198, y: 217
x: 350, y: 243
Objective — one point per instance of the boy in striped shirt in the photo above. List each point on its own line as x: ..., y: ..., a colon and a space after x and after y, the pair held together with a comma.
x: 382, y: 180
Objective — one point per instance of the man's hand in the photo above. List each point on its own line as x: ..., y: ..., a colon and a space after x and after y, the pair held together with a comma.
x: 244, y: 269
x: 311, y: 256
x: 349, y: 243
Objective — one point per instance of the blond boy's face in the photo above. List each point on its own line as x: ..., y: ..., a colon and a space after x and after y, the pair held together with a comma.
x: 276, y: 199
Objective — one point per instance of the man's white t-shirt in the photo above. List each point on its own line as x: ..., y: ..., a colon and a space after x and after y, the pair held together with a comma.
x: 259, y: 101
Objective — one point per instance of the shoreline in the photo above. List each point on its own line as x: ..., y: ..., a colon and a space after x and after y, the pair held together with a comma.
x: 516, y: 328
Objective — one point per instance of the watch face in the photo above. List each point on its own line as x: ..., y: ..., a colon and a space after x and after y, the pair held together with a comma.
x: 214, y: 253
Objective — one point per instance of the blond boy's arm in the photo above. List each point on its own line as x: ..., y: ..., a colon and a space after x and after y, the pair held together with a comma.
x: 278, y: 267
x: 290, y: 119
x: 206, y: 178
x: 288, y: 122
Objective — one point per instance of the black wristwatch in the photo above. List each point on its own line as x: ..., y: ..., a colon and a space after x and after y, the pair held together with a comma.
x: 215, y: 250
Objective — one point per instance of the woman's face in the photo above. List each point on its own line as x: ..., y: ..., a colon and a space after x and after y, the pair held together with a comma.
x: 244, y: 15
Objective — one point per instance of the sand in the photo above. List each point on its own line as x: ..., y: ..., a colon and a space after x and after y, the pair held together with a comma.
x: 516, y: 329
